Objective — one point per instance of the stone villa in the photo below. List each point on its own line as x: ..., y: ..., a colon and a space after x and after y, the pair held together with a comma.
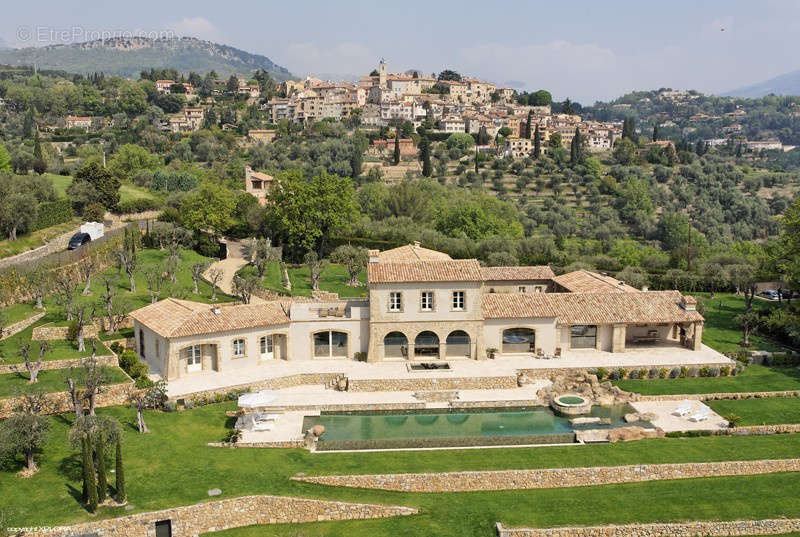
x: 421, y: 305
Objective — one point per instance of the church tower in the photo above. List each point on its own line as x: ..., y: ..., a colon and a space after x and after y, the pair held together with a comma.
x: 382, y: 74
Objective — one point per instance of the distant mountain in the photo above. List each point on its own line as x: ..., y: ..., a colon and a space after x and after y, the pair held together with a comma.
x: 787, y: 84
x: 130, y: 55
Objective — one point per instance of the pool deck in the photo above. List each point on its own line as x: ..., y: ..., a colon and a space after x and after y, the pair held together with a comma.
x: 666, y: 420
x: 502, y: 366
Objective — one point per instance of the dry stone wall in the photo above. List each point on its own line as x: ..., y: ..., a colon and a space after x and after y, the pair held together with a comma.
x: 718, y: 396
x: 60, y: 402
x: 106, y: 360
x: 212, y: 516
x: 546, y: 478
x: 21, y: 325
x: 267, y: 384
x: 679, y: 529
x: 429, y: 383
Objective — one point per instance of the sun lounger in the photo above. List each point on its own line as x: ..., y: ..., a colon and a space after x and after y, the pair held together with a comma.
x: 268, y: 426
x: 683, y: 409
x: 700, y: 416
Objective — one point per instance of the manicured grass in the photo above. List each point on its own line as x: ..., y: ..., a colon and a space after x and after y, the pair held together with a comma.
x: 18, y: 312
x: 334, y: 280
x: 52, y: 380
x: 58, y: 349
x: 721, y: 332
x: 35, y: 239
x: 772, y: 411
x: 173, y: 466
x: 755, y: 378
x: 127, y: 191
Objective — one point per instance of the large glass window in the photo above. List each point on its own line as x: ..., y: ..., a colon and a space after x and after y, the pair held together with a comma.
x: 330, y: 345
x: 458, y: 344
x: 583, y: 336
x: 426, y: 344
x: 395, y: 345
x: 518, y: 340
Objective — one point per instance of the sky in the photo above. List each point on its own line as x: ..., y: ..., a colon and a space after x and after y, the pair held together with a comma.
x: 584, y: 50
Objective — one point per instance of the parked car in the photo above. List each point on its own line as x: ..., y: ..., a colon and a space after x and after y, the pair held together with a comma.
x: 78, y: 240
x: 770, y: 294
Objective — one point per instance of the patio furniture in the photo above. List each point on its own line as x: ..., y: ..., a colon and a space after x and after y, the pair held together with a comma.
x: 700, y: 416
x: 684, y: 409
x: 558, y: 352
x: 263, y: 426
x: 257, y: 399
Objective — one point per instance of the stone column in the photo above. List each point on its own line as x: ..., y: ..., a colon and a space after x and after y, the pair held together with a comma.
x: 697, y: 337
x: 618, y: 338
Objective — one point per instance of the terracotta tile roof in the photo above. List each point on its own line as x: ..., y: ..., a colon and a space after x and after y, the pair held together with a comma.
x: 411, y: 253
x: 177, y: 318
x: 542, y: 272
x: 584, y: 281
x: 460, y: 270
x: 591, y: 308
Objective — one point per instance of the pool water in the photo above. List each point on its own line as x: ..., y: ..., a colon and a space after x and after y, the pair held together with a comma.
x: 456, y: 428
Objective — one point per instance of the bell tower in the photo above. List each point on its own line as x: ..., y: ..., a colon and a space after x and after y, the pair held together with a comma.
x: 382, y: 74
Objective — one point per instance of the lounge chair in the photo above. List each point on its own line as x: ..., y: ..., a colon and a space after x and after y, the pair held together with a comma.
x: 700, y: 416
x: 683, y: 409
x: 260, y: 426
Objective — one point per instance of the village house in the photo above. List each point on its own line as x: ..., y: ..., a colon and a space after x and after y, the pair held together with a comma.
x: 261, y: 136
x: 258, y: 184
x: 421, y: 305
x: 164, y: 86
x: 78, y: 122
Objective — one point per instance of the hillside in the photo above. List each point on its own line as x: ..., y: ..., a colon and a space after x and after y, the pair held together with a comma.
x: 786, y: 84
x: 128, y: 56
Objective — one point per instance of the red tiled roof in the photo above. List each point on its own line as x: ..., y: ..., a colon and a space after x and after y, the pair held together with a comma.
x: 542, y: 272
x: 461, y: 270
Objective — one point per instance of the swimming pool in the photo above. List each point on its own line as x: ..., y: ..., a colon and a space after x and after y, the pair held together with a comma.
x: 441, y: 428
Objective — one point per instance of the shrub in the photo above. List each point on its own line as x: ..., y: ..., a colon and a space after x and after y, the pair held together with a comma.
x: 676, y: 373
x: 733, y: 420
x: 642, y: 373
x: 138, y: 206
x: 738, y: 369
x: 725, y: 370
x: 94, y: 212
x: 634, y: 374
x: 654, y: 373
x: 360, y: 356
x: 662, y: 373
x: 704, y: 371
x: 188, y: 404
x: 51, y: 213
x: 693, y: 372
x: 233, y: 436
x: 684, y: 372
x: 622, y: 372
x: 170, y: 406
x: 72, y: 331
x: 715, y: 371
x: 143, y: 382
x: 614, y: 375
x: 602, y: 373
x: 116, y: 348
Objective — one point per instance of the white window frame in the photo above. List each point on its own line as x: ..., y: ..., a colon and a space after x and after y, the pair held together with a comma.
x: 239, y: 353
x: 426, y: 296
x: 395, y: 301
x: 266, y: 346
x: 194, y: 357
x: 459, y: 301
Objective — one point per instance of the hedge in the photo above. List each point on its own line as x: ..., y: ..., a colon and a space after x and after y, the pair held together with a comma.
x: 52, y: 213
x: 138, y: 206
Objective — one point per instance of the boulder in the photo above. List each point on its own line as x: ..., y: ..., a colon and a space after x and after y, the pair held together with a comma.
x: 627, y: 434
x: 317, y: 430
x: 524, y: 380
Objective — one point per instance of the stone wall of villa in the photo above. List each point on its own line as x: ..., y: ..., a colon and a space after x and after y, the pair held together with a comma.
x: 212, y: 516
x: 428, y: 383
x: 19, y: 326
x: 106, y: 360
x: 545, y: 478
x: 267, y: 384
x: 60, y: 402
x: 678, y: 529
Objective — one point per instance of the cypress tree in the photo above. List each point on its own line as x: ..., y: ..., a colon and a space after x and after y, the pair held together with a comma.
x: 120, y: 473
x: 89, y: 482
x: 425, y: 149
x: 396, y: 159
x: 698, y: 148
x: 537, y: 143
x: 27, y: 124
x: 528, y: 125
x: 37, y: 147
x: 476, y: 159
x: 102, y: 479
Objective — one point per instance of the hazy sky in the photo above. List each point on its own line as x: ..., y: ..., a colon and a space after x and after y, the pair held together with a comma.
x: 582, y: 50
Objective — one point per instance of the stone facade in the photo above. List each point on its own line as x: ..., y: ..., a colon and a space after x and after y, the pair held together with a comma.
x: 52, y: 333
x: 545, y: 478
x: 109, y: 361
x: 428, y: 383
x: 21, y: 325
x: 191, y: 520
x: 60, y: 402
x: 677, y: 529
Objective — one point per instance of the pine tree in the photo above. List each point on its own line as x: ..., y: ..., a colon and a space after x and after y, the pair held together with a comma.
x: 102, y: 479
x: 396, y: 158
x: 537, y: 143
x: 120, y: 473
x: 528, y: 125
x: 655, y: 133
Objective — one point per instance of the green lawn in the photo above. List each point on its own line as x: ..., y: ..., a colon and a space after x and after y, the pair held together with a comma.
x: 772, y: 411
x: 35, y: 239
x: 58, y: 349
x: 127, y: 191
x: 173, y: 466
x: 722, y: 333
x: 52, y: 380
x: 755, y: 378
x: 334, y: 280
x: 18, y: 312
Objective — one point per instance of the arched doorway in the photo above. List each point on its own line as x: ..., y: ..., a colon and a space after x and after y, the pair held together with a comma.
x: 426, y: 345
x: 395, y: 345
x: 458, y: 344
x: 518, y: 340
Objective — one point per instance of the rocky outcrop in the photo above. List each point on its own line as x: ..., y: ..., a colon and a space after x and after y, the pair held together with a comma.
x: 585, y: 385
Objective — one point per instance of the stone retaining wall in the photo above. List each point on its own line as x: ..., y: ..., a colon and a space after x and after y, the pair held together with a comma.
x: 212, y: 516
x: 718, y: 396
x: 60, y: 402
x: 106, y: 360
x: 52, y: 333
x: 56, y: 244
x: 432, y: 383
x: 21, y: 325
x: 678, y: 529
x: 268, y: 384
x: 545, y: 478
x: 276, y: 444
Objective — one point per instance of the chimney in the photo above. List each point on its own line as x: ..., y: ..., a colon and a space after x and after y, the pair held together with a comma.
x: 373, y: 256
x: 689, y: 303
x: 216, y: 310
x: 416, y: 244
x: 621, y: 283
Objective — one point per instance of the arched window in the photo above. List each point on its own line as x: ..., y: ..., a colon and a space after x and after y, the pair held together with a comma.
x: 426, y: 344
x: 395, y: 345
x: 518, y: 340
x: 330, y: 344
x: 458, y: 344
